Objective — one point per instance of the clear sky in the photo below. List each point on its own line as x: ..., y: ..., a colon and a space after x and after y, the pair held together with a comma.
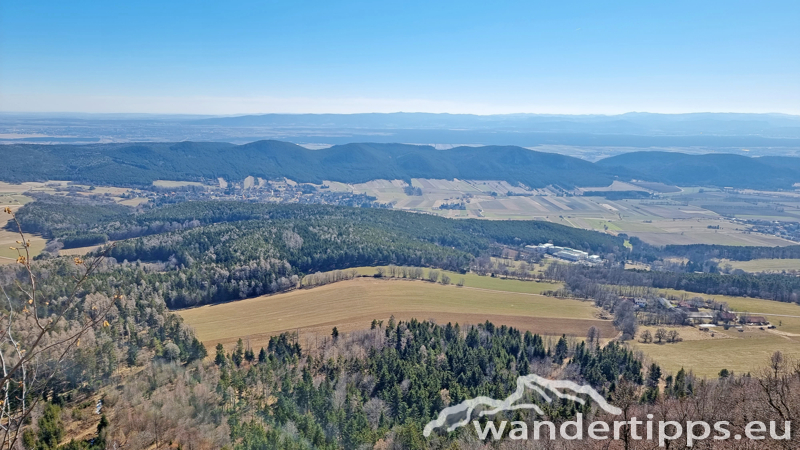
x: 482, y: 57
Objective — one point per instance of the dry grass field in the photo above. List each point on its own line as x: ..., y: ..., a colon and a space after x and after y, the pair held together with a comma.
x: 351, y: 305
x: 79, y: 251
x: 746, y: 352
x: 9, y: 239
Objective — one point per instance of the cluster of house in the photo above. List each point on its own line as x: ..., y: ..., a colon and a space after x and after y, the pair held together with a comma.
x: 697, y: 312
x: 565, y: 253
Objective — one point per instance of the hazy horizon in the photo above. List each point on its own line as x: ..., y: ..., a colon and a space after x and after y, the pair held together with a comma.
x: 248, y: 57
x: 542, y: 114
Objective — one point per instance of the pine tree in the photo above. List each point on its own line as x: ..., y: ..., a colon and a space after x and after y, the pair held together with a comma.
x: 220, y: 358
x: 51, y: 429
x: 561, y: 350
x: 133, y: 353
x: 238, y: 354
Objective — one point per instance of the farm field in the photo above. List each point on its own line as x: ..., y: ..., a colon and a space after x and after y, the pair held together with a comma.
x: 14, y: 194
x: 472, y: 280
x: 675, y: 216
x: 9, y: 239
x: 746, y: 352
x: 173, y: 184
x: 763, y: 265
x: 79, y: 251
x: 353, y: 304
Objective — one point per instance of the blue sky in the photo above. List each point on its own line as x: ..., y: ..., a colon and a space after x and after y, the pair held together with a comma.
x: 233, y: 57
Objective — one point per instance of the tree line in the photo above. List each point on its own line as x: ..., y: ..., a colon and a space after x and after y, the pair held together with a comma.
x: 778, y: 287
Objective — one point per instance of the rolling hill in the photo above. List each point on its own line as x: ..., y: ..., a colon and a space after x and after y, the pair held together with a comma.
x: 706, y: 170
x: 140, y: 164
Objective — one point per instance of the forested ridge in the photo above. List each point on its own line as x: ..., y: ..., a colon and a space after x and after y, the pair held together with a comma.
x: 713, y: 169
x: 209, y: 252
x: 63, y: 217
x: 250, y: 249
x: 139, y: 164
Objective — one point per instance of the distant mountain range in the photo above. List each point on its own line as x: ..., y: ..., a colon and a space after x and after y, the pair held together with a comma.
x: 588, y: 136
x: 639, y: 124
x: 142, y: 163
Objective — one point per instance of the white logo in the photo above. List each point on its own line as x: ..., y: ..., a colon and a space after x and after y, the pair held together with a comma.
x: 460, y: 415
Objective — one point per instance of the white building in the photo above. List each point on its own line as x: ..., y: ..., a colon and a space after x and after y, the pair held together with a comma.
x: 571, y: 255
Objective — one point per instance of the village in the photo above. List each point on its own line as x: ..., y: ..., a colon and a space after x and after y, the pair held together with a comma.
x: 705, y: 314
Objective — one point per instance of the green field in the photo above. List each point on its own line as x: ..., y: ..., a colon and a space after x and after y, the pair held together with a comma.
x: 601, y: 224
x: 485, y: 282
x: 7, y: 255
x: 14, y: 199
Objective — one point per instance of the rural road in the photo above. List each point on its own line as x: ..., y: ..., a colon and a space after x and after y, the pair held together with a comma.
x: 768, y: 314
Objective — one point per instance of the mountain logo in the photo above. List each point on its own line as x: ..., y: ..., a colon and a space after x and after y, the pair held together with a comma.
x: 459, y: 415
